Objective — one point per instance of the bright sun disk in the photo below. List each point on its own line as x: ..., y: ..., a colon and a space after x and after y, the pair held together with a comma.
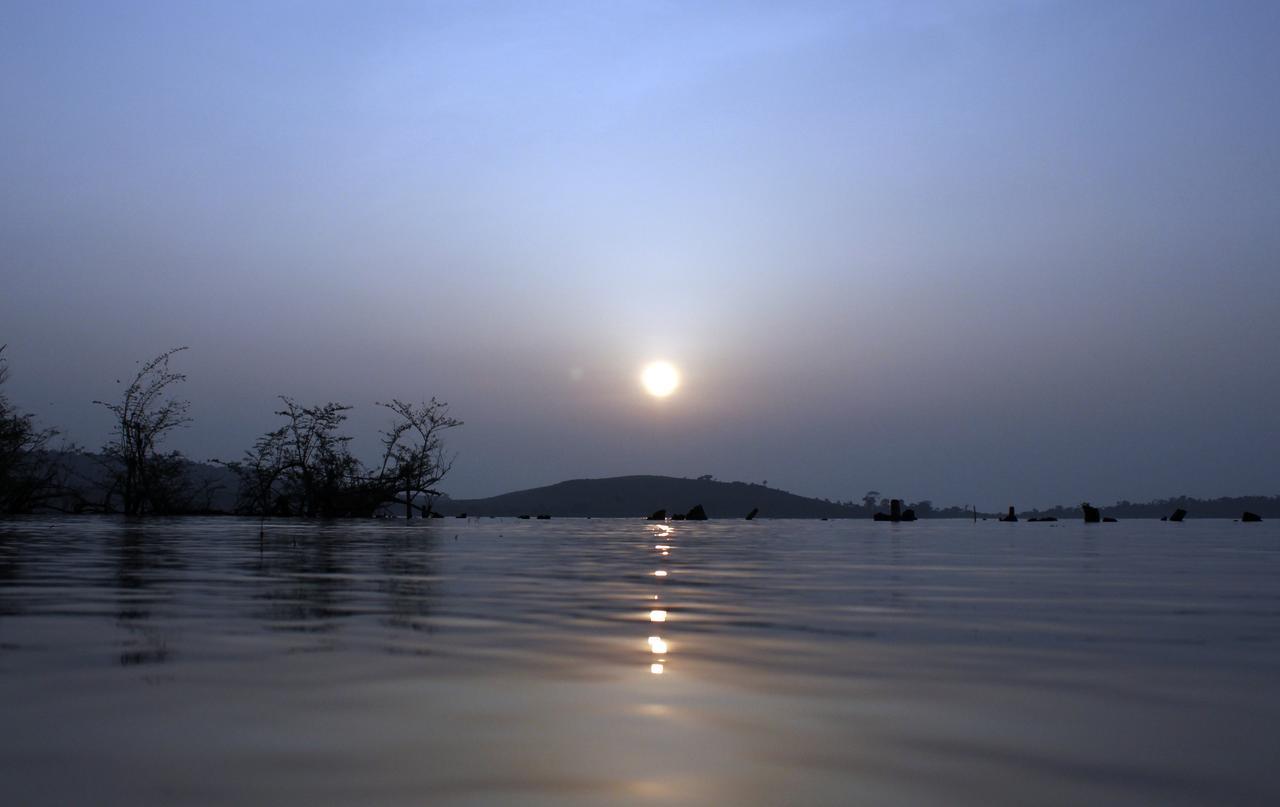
x: 660, y: 378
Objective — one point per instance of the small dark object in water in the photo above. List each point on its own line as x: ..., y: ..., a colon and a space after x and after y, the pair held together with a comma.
x: 1011, y: 516
x: 1042, y: 518
x: 544, y: 517
x: 1178, y: 515
x: 658, y: 515
x: 524, y: 517
x: 1250, y: 517
x: 1092, y: 515
x: 696, y: 514
x: 896, y: 513
x: 1108, y: 520
x: 753, y: 513
x: 461, y: 515
x: 826, y: 519
x: 677, y: 516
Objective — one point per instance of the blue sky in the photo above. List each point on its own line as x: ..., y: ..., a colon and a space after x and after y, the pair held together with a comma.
x: 992, y: 252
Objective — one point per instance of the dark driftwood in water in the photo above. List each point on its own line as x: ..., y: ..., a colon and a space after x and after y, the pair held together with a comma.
x: 753, y: 513
x: 1108, y: 520
x: 696, y: 514
x: 1092, y: 515
x: 1012, y: 515
x: 1250, y: 517
x: 544, y: 517
x: 1046, y: 518
x: 658, y: 515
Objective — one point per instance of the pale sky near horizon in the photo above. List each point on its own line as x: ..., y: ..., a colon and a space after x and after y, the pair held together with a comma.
x: 991, y: 252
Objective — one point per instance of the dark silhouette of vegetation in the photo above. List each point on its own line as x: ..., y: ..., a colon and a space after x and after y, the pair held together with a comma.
x: 306, y: 468
x: 414, y: 458
x: 30, y: 476
x: 303, y: 468
x: 145, y: 480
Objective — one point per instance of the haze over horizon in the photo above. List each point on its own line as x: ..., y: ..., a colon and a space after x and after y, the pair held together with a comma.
x: 986, y: 252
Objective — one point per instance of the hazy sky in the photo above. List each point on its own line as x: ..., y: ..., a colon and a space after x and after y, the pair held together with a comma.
x: 980, y: 252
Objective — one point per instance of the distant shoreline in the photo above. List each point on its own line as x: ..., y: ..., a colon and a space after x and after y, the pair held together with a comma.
x: 637, y: 496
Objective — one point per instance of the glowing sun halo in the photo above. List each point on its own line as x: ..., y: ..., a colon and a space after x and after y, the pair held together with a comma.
x: 660, y: 379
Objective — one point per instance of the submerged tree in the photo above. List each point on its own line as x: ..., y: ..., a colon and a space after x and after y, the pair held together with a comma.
x: 28, y: 473
x: 304, y: 467
x: 414, y: 459
x: 146, y: 480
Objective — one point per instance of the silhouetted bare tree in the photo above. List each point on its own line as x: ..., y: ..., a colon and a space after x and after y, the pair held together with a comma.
x: 304, y: 467
x: 146, y: 480
x: 28, y: 473
x: 414, y: 458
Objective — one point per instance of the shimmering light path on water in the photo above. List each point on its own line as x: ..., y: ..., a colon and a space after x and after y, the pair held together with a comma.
x: 587, y: 662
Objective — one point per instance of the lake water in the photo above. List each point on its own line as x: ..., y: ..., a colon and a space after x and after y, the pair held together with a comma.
x: 192, y: 662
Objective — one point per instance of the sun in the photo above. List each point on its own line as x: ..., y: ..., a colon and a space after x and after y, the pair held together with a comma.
x: 660, y: 378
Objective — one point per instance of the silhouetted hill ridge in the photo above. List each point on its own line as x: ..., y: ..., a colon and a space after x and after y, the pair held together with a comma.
x: 637, y: 496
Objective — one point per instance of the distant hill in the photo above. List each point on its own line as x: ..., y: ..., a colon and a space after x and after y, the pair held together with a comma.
x: 86, y: 477
x: 638, y: 496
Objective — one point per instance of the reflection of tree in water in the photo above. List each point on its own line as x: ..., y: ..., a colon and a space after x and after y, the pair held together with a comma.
x: 316, y: 576
x: 144, y: 559
x: 307, y: 586
x: 405, y: 563
x: 10, y: 572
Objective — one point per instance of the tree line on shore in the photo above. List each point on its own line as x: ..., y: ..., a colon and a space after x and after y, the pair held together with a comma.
x: 304, y: 467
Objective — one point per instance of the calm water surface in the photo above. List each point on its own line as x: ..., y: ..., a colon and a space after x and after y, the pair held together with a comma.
x: 487, y: 662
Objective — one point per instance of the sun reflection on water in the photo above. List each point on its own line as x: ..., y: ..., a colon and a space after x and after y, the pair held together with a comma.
x: 657, y: 645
